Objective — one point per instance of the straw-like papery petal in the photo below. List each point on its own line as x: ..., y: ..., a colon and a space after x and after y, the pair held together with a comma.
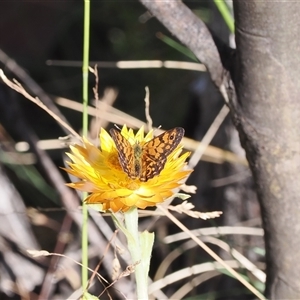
x: 100, y: 174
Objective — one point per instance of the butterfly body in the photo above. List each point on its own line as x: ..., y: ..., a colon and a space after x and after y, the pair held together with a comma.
x: 146, y: 161
x: 138, y: 152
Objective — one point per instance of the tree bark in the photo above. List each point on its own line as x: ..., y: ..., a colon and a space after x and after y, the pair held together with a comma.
x: 268, y: 91
x: 265, y: 106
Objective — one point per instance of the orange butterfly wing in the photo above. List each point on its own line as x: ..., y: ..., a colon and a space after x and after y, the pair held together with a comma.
x: 156, y: 152
x: 147, y: 161
x: 125, y: 152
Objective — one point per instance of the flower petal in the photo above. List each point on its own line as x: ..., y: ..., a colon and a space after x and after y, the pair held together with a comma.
x: 101, y: 174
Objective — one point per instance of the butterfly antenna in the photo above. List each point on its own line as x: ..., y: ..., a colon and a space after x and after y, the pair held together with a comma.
x: 117, y: 127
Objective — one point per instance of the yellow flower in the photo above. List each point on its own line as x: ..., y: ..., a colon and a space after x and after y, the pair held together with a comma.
x: 102, y: 176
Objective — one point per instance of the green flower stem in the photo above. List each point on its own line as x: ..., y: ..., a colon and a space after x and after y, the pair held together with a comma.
x: 140, y: 247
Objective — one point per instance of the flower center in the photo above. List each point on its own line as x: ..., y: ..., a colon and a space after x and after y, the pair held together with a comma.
x: 132, y: 185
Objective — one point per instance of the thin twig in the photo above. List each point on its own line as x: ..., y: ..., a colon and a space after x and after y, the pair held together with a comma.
x: 96, y: 87
x: 147, y: 109
x: 41, y: 253
x: 95, y: 126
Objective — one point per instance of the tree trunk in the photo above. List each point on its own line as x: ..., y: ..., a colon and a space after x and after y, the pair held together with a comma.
x: 268, y: 90
x: 265, y: 106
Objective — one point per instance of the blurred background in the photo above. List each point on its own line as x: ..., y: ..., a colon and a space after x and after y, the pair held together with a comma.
x: 41, y: 46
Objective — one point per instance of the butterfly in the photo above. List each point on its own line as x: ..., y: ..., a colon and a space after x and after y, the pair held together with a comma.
x: 148, y: 160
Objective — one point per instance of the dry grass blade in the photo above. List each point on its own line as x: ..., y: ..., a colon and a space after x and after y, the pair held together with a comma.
x: 187, y: 272
x: 224, y: 230
x: 210, y: 252
x: 195, y: 158
x: 243, y: 261
x: 113, y: 115
x: 19, y: 88
x: 133, y: 64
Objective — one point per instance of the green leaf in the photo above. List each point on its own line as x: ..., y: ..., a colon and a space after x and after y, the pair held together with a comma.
x: 119, y: 224
x: 88, y: 296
